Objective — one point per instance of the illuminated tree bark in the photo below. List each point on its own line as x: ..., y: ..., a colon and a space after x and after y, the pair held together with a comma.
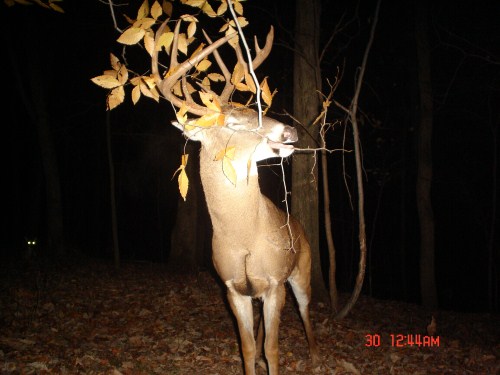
x: 306, y: 107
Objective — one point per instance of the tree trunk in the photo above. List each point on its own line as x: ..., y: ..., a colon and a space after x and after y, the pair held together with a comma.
x: 55, y: 237
x: 112, y: 193
x: 424, y: 159
x: 32, y: 85
x: 188, y: 236
x: 306, y: 107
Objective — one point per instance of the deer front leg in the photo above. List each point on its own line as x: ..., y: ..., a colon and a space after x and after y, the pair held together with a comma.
x: 274, y: 300
x: 243, y: 311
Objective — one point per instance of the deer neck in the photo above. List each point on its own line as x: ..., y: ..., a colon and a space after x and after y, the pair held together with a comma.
x: 231, y: 206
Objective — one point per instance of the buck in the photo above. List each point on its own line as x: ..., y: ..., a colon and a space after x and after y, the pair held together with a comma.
x: 256, y: 246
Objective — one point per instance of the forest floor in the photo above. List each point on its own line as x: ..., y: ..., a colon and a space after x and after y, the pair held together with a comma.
x: 92, y: 319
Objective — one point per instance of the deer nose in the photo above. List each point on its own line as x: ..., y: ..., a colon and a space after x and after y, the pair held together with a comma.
x: 289, y: 134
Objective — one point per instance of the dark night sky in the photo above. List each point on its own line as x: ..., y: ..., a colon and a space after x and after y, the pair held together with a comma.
x: 72, y: 48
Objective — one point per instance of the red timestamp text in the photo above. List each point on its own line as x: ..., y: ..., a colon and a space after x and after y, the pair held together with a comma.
x: 403, y: 340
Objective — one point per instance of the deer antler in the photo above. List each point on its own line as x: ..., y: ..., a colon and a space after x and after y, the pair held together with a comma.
x: 259, y: 59
x: 177, y: 71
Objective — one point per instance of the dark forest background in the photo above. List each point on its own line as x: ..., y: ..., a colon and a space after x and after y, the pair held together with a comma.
x: 63, y: 51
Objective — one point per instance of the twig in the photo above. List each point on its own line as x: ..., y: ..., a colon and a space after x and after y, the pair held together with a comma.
x: 250, y: 63
x: 359, y: 176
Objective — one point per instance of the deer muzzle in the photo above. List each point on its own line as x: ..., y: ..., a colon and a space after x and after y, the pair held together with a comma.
x: 290, y: 134
x: 282, y: 146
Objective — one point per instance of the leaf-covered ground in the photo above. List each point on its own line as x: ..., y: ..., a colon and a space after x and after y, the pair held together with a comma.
x: 92, y: 319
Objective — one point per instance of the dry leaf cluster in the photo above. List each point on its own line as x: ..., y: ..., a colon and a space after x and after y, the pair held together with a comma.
x: 151, y: 28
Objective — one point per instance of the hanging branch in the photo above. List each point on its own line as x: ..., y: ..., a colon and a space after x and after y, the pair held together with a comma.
x: 352, y: 112
x: 249, y: 62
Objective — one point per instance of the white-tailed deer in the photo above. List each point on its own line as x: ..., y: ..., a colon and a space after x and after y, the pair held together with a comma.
x: 254, y: 250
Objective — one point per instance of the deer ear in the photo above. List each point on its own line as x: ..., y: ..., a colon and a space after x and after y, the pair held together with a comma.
x: 194, y: 134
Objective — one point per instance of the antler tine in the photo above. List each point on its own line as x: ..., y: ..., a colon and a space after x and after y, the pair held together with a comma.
x: 179, y: 70
x: 154, y: 57
x: 175, y: 46
x: 229, y: 87
x: 261, y: 55
x: 264, y: 52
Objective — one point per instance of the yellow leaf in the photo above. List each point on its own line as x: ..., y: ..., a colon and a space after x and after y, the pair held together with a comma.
x: 208, y: 10
x: 182, y: 178
x: 167, y: 7
x: 156, y: 10
x: 238, y: 73
x: 177, y: 89
x: 42, y: 4
x: 149, y: 41
x: 229, y: 172
x: 226, y: 155
x: 181, y: 113
x: 221, y: 120
x: 227, y: 152
x: 183, y: 183
x: 189, y: 18
x: 266, y: 92
x: 149, y: 80
x: 190, y: 88
x: 210, y: 101
x: 56, y: 7
x: 233, y: 42
x: 184, y: 159
x: 230, y: 152
x: 106, y: 81
x: 136, y: 94
x: 182, y: 43
x: 242, y: 87
x: 131, y: 36
x: 122, y: 75
x: 242, y: 21
x: 208, y: 120
x: 250, y: 83
x: 194, y: 3
x: 115, y: 62
x: 144, y: 23
x: 249, y: 166
x: 115, y: 98
x: 165, y: 40
x: 143, y: 10
x: 191, y: 29
x: 222, y: 9
x: 136, y: 81
x: 149, y: 93
x: 216, y: 77
x: 238, y: 8
x: 205, y: 84
x: 203, y: 65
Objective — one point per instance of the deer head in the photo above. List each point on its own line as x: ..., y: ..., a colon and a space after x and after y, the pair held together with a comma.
x: 241, y: 134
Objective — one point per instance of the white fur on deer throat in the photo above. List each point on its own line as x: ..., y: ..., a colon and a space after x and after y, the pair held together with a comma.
x: 264, y: 150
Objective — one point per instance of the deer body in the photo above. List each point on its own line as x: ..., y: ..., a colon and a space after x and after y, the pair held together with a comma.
x: 256, y: 247
x: 254, y: 251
